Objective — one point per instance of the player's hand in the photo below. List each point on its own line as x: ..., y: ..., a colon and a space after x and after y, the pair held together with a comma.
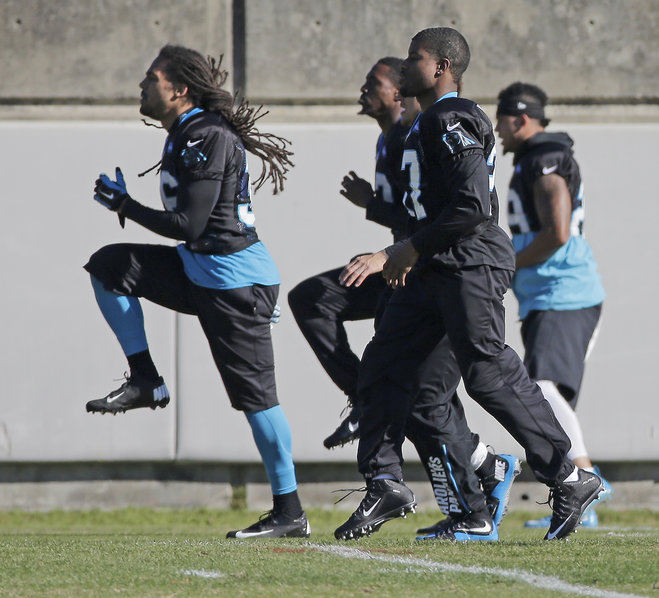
x: 276, y: 314
x: 361, y: 267
x: 110, y: 193
x: 357, y: 190
x: 401, y: 257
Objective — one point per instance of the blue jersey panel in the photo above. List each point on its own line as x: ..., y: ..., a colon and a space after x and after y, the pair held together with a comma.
x: 567, y: 280
x: 253, y: 265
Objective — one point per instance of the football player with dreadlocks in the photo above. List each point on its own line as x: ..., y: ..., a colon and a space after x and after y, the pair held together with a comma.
x: 221, y: 272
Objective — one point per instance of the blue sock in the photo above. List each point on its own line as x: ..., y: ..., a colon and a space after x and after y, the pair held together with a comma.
x: 124, y: 315
x: 272, y: 435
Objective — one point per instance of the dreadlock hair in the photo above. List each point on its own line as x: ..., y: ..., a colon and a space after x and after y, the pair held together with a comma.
x: 394, y: 65
x: 204, y: 79
x: 444, y: 42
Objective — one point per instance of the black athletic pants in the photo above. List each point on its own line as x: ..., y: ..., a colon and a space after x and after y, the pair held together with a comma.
x: 321, y: 306
x: 467, y: 307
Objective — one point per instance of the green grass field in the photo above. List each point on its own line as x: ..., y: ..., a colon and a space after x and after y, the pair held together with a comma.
x: 144, y: 553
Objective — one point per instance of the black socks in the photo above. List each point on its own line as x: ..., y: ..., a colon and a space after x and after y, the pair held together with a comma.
x: 142, y: 366
x: 288, y: 505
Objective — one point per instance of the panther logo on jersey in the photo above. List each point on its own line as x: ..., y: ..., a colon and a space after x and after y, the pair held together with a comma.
x: 455, y: 139
x: 192, y: 156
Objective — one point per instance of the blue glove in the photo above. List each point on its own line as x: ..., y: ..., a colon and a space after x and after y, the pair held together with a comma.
x: 110, y: 193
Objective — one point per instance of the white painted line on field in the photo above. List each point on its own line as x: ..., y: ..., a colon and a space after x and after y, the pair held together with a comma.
x: 203, y: 573
x: 537, y: 581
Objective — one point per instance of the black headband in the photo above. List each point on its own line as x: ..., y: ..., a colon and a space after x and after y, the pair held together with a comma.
x: 516, y: 106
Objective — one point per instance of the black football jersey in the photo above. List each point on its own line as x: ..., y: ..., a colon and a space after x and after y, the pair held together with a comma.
x: 202, y: 146
x: 542, y: 154
x: 386, y: 207
x: 450, y: 156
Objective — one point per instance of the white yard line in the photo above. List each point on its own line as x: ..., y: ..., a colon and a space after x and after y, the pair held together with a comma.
x: 203, y: 573
x: 537, y: 581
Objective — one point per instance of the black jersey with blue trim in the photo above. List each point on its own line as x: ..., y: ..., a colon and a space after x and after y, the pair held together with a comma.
x: 204, y: 179
x: 542, y: 154
x: 386, y: 207
x: 450, y: 156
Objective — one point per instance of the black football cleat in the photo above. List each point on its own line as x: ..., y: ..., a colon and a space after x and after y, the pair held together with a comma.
x: 132, y: 394
x: 569, y: 500
x: 385, y: 500
x: 275, y: 526
x: 347, y: 431
x: 438, y: 528
x: 468, y: 528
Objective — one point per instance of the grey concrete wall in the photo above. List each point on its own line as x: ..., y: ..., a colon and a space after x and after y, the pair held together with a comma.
x: 305, y: 59
x: 316, y: 50
x: 596, y: 49
x: 57, y: 352
x: 94, y: 50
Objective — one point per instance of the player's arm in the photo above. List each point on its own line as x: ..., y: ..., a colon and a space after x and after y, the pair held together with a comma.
x: 194, y: 204
x: 390, y: 214
x: 202, y: 163
x: 466, y: 181
x: 386, y: 206
x: 553, y: 205
x: 456, y: 160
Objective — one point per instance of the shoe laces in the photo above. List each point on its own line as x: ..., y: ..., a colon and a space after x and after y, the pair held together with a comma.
x: 125, y: 379
x: 350, y: 405
x: 349, y: 491
x: 556, y: 502
x: 348, y: 408
x: 267, y: 515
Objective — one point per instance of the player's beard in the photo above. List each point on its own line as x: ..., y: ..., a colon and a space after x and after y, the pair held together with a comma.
x: 406, y: 91
x: 150, y: 111
x: 145, y: 110
x: 364, y: 108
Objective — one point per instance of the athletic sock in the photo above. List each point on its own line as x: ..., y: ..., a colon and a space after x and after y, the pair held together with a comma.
x: 480, y: 455
x: 487, y: 466
x: 574, y: 476
x: 272, y: 435
x: 288, y: 505
x: 142, y: 365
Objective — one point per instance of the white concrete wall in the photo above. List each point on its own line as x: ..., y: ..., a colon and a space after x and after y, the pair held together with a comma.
x: 57, y: 352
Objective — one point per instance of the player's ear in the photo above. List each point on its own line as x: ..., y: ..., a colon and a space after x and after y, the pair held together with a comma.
x: 521, y: 121
x: 180, y: 91
x: 443, y: 66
